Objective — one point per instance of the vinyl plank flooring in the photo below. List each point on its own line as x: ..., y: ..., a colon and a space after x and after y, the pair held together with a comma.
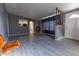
x: 43, y: 45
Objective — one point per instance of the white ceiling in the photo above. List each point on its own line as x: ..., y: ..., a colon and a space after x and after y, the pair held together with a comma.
x: 38, y: 10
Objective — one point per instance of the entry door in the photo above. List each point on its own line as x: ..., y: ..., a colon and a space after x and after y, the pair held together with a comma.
x: 72, y: 28
x: 31, y: 27
x: 69, y: 28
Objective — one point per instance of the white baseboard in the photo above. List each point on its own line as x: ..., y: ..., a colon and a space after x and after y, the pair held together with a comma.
x: 60, y: 38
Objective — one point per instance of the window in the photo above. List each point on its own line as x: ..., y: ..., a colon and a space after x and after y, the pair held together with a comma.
x: 23, y: 23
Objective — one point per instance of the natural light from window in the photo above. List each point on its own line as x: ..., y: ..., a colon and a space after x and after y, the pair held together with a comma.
x: 74, y: 16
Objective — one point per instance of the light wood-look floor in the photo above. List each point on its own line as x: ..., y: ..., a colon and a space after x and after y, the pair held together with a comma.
x: 42, y: 45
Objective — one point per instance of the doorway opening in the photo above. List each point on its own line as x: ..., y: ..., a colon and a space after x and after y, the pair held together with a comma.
x: 31, y: 27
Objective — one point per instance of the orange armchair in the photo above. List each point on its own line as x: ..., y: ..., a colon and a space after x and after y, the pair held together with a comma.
x: 9, y: 45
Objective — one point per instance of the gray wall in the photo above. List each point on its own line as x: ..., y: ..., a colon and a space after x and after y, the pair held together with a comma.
x: 14, y: 26
x: 3, y: 21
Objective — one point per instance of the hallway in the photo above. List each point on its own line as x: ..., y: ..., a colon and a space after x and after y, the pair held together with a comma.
x: 43, y: 45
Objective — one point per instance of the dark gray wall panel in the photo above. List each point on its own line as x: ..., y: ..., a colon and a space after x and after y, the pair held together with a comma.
x: 14, y: 25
